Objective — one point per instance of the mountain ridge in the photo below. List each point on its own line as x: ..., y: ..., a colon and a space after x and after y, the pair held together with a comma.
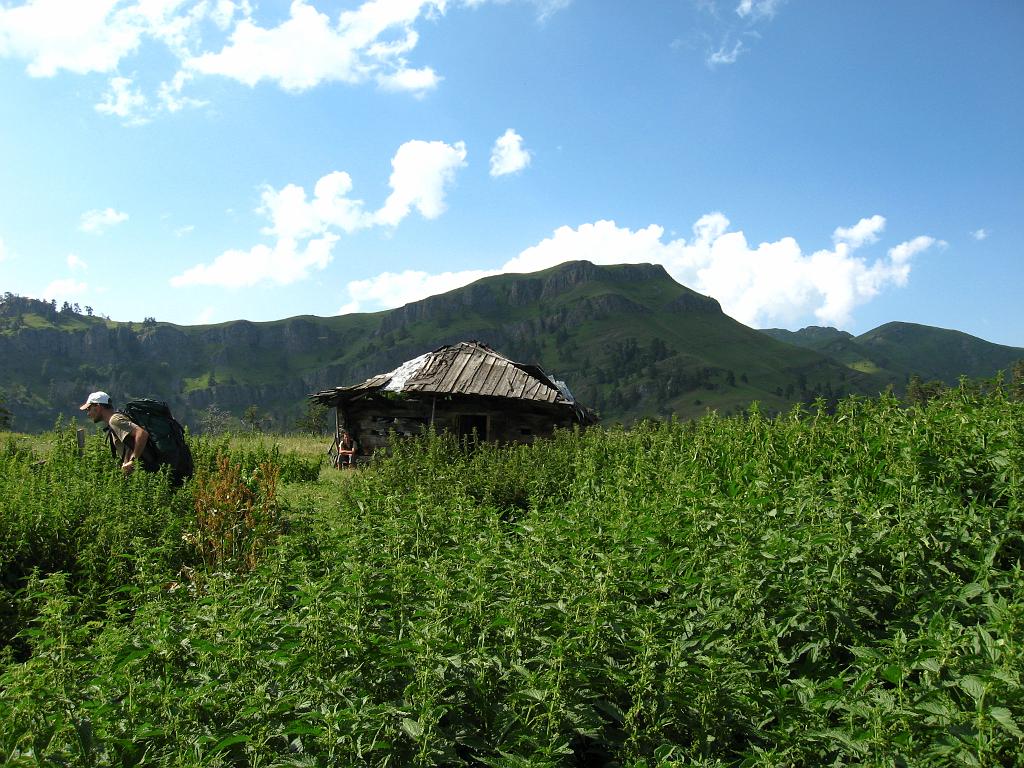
x: 908, y: 349
x: 628, y: 339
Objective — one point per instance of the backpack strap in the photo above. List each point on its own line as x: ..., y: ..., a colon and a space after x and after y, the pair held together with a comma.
x: 110, y: 441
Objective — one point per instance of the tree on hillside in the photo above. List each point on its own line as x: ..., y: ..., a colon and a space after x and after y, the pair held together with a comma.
x: 253, y: 418
x: 920, y: 392
x: 6, y: 417
x: 314, y: 420
x: 1017, y: 380
x: 214, y: 420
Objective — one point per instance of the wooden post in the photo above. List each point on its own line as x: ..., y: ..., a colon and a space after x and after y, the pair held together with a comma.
x: 80, y: 437
x: 336, y: 445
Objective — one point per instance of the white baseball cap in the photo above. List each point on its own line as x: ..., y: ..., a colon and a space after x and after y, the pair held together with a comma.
x: 96, y: 398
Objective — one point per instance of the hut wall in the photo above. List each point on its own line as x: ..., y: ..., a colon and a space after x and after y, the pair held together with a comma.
x: 507, y: 421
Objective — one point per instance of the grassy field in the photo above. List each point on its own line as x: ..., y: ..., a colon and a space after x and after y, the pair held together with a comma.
x: 815, y: 589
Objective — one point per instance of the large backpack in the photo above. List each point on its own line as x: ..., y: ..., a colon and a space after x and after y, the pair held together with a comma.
x: 166, y: 444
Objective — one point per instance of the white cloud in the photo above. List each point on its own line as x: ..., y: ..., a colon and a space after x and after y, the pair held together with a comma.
x: 404, y: 79
x: 75, y: 262
x: 865, y: 231
x: 99, y: 221
x: 727, y: 35
x: 548, y: 8
x: 187, y: 229
x: 3, y: 250
x: 723, y: 56
x: 370, y: 43
x: 757, y: 8
x: 298, y: 54
x: 421, y: 173
x: 170, y: 95
x: 66, y: 289
x: 904, y: 252
x: 291, y: 216
x: 395, y: 289
x: 601, y: 242
x: 124, y: 102
x: 85, y: 36
x: 80, y: 37
x: 282, y: 264
x: 771, y: 283
x: 980, y: 234
x: 545, y: 8
x: 306, y: 49
x: 223, y: 12
x: 508, y: 154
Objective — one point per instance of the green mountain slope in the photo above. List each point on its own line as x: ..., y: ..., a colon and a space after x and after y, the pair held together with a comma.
x: 900, y: 350
x: 629, y: 340
x: 838, y: 345
x: 936, y: 353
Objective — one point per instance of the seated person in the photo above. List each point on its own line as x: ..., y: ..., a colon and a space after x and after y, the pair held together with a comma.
x: 347, y: 450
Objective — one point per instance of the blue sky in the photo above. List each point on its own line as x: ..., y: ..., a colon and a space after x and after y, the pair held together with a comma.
x: 805, y: 163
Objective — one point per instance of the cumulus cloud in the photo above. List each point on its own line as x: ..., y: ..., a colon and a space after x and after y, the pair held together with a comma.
x: 99, y: 221
x: 306, y: 228
x: 75, y: 262
x: 420, y: 173
x: 293, y: 216
x: 80, y: 37
x: 770, y: 283
x: 508, y: 154
x: 904, y: 252
x: 979, y: 234
x: 392, y: 289
x: 864, y: 231
x: 307, y: 49
x: 404, y: 79
x: 370, y: 43
x: 281, y: 264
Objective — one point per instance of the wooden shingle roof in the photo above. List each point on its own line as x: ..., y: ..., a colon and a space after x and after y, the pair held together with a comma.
x: 466, y: 368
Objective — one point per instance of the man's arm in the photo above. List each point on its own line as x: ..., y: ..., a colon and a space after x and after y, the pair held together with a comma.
x: 139, y: 439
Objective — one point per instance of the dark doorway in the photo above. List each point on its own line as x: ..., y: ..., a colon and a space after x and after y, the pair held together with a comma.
x: 470, y: 423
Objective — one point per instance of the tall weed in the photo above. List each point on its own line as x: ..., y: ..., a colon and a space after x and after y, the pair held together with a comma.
x: 820, y: 588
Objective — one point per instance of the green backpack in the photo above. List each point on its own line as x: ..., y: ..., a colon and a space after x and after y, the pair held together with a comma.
x: 166, y: 444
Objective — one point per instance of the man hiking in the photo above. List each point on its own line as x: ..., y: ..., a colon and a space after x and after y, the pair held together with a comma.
x: 129, y: 438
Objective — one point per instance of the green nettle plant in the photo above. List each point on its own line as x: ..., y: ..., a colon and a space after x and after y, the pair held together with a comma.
x: 819, y: 588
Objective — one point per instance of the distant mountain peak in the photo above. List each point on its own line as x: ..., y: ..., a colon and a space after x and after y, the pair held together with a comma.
x: 614, y: 287
x: 810, y: 333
